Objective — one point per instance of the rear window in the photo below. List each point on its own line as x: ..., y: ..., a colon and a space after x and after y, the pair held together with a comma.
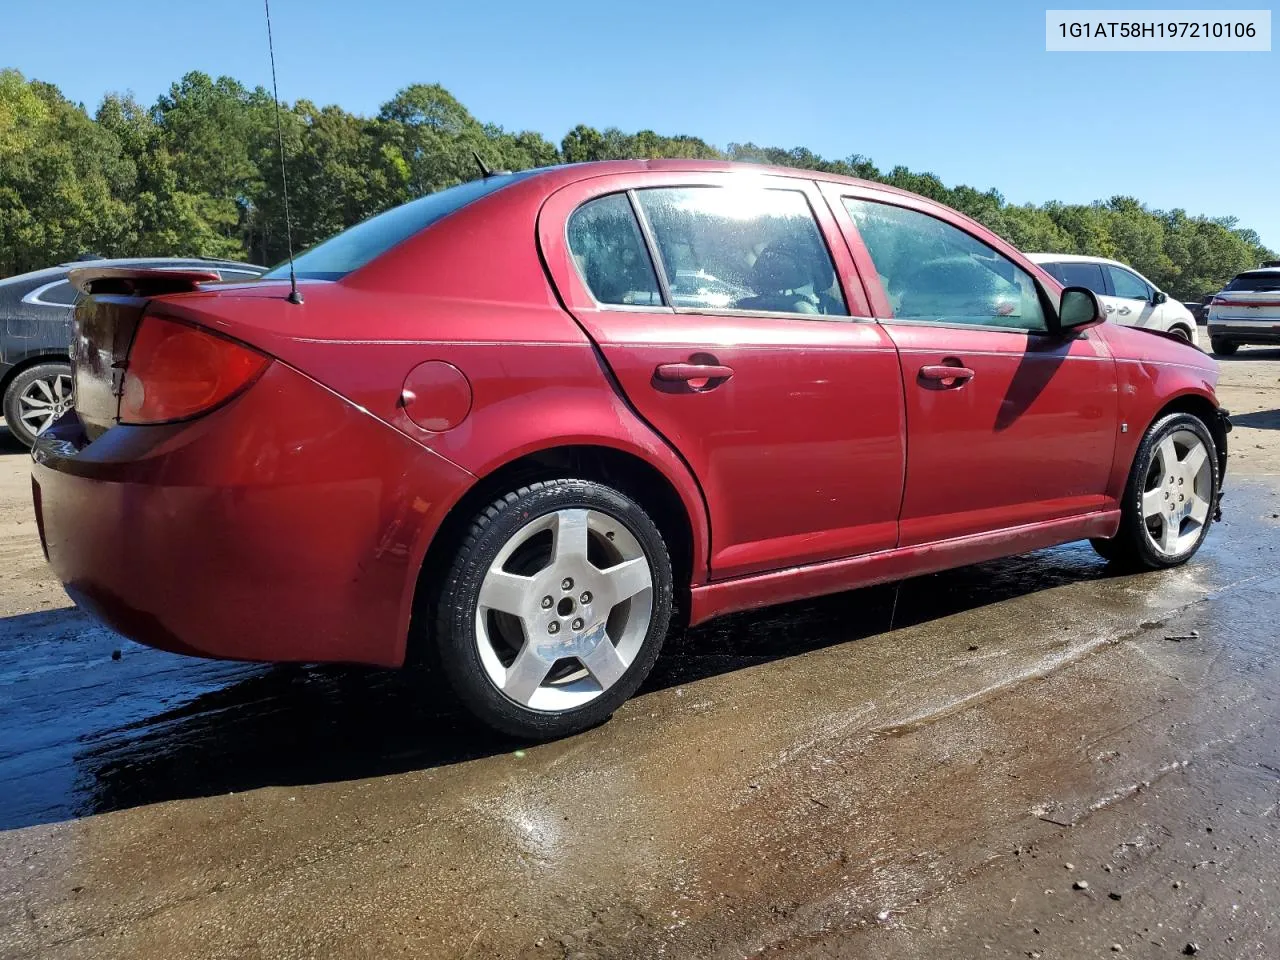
x: 354, y: 247
x: 1255, y: 283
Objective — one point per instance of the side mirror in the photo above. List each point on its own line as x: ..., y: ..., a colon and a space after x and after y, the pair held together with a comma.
x: 1158, y: 297
x: 1078, y: 309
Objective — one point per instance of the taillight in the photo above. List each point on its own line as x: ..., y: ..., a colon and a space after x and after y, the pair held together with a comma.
x: 176, y: 372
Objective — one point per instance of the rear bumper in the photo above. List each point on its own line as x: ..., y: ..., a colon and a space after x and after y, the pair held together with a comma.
x: 287, y: 525
x: 1245, y: 331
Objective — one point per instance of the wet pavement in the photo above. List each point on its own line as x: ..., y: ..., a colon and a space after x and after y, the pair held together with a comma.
x: 920, y: 771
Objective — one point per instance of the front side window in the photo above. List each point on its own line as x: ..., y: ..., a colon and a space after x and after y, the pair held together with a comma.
x: 742, y: 248
x: 934, y: 272
x: 1081, y: 275
x: 1128, y: 285
x: 607, y: 246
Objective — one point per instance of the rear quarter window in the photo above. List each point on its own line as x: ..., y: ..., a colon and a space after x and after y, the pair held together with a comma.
x: 610, y: 253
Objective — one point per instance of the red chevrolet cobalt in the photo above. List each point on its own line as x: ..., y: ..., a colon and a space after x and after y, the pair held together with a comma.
x: 534, y: 420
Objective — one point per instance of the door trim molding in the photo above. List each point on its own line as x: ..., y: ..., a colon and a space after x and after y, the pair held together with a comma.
x: 835, y: 576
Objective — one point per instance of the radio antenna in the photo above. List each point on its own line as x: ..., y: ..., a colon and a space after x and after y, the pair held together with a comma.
x: 294, y: 295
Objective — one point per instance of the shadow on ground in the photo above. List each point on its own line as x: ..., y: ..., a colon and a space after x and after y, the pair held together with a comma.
x: 82, y: 732
x: 8, y: 442
x: 1261, y: 420
x: 1250, y: 353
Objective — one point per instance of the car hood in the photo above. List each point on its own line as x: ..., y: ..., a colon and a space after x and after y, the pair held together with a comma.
x: 1155, y: 346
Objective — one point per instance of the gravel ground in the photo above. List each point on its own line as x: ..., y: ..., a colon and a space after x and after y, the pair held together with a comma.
x: 1028, y: 758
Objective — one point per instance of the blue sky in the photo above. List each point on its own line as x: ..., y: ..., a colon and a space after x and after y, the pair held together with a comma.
x: 965, y: 91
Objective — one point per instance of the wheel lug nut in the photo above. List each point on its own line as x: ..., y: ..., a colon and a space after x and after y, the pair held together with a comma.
x: 546, y: 602
x: 577, y: 623
x: 553, y: 626
x: 586, y: 596
x: 566, y: 584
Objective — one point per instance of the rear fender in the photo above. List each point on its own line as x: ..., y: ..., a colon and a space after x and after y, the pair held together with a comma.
x: 559, y: 396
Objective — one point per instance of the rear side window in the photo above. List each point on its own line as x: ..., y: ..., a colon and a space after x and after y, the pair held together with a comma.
x: 934, y: 272
x: 1255, y: 283
x: 1128, y: 285
x: 58, y: 293
x: 607, y: 246
x: 61, y: 293
x: 358, y: 245
x: 1081, y: 275
x: 742, y: 248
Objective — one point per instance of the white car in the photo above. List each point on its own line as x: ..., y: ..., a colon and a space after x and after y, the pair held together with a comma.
x: 1246, y: 310
x: 1127, y: 296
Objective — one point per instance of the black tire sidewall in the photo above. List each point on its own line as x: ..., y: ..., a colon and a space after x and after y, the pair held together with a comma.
x: 41, y: 371
x: 1133, y: 542
x: 455, y: 619
x: 1224, y: 347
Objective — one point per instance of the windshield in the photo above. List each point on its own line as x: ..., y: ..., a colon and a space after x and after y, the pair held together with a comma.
x: 356, y: 246
x: 1268, y: 282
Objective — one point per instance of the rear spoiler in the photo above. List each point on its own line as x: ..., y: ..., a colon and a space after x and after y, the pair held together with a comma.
x: 138, y: 281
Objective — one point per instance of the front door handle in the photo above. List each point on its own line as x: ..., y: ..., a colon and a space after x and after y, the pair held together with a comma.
x: 691, y: 372
x: 945, y: 375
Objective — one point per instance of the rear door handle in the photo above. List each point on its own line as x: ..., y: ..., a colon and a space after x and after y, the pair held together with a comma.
x: 945, y: 374
x: 673, y: 372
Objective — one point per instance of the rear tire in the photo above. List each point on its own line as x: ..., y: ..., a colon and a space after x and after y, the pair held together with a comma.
x: 35, y: 398
x: 1181, y: 332
x: 1169, y: 499
x: 1223, y: 348
x: 555, y: 608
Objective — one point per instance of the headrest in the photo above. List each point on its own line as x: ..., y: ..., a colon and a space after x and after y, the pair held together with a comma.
x: 778, y: 269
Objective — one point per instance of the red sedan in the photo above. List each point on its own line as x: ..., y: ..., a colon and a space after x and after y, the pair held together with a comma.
x: 533, y: 420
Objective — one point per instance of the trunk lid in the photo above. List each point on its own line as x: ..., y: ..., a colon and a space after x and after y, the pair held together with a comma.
x: 105, y: 322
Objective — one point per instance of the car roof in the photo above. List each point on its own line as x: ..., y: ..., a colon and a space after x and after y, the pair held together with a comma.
x: 570, y: 172
x: 1073, y: 258
x: 1259, y: 272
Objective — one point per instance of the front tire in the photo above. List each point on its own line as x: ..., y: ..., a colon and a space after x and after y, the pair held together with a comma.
x: 35, y: 398
x: 1223, y: 348
x: 1170, y: 496
x: 555, y: 608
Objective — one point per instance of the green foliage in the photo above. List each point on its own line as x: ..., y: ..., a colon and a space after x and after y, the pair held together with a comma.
x: 198, y: 174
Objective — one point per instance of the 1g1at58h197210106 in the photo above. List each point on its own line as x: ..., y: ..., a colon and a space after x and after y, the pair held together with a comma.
x: 1158, y: 30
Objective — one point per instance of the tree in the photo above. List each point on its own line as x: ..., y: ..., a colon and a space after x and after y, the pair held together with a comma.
x: 64, y: 180
x: 199, y: 174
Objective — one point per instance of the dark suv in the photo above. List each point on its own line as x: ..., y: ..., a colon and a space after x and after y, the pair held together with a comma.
x: 35, y: 334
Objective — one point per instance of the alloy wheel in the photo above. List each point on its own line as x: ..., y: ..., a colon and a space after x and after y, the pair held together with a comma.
x: 1176, y: 498
x: 563, y: 609
x: 44, y: 401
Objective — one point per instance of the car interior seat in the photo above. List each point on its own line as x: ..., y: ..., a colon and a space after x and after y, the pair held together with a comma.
x: 779, y: 277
